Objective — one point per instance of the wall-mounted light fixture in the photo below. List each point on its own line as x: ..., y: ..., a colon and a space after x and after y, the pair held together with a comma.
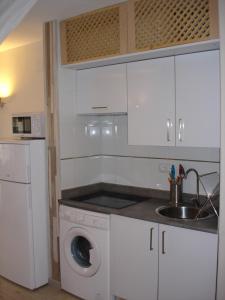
x: 5, y: 91
x: 1, y: 102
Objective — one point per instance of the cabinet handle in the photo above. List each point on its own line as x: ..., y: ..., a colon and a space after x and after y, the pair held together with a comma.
x: 151, y: 238
x: 168, y: 123
x: 163, y: 243
x: 99, y: 107
x: 181, y: 128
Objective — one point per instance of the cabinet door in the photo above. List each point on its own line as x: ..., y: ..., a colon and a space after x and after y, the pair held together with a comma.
x: 151, y: 102
x: 93, y: 35
x: 15, y: 163
x: 156, y: 24
x: 187, y: 264
x: 102, y: 90
x: 16, y: 259
x: 198, y: 99
x: 134, y: 258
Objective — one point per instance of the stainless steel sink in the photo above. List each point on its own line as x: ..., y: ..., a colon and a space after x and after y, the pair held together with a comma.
x: 181, y: 212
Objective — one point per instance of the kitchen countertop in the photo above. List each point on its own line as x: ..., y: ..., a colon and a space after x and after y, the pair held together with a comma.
x: 144, y: 210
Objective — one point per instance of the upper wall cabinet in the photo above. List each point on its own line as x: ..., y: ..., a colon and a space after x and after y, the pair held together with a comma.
x: 158, y: 24
x: 136, y: 26
x: 98, y: 34
x: 151, y: 102
x: 175, y: 103
x: 198, y: 100
x: 102, y: 90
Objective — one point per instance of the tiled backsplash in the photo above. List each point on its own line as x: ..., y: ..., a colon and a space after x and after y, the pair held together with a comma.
x: 149, y: 173
x: 80, y: 171
x: 141, y: 172
x: 95, y: 148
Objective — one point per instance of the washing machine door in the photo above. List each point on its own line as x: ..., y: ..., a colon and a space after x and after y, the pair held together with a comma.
x: 82, y: 252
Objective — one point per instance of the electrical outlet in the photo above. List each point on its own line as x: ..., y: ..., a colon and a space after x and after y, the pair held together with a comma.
x: 164, y: 167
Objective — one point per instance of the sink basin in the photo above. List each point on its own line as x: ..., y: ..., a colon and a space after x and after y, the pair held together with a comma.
x: 181, y: 212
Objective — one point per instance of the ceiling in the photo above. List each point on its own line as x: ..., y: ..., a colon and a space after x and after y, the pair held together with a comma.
x: 4, y: 4
x: 30, y: 29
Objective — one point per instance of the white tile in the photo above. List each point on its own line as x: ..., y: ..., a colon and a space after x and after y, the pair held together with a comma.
x: 88, y: 170
x: 121, y: 139
x: 107, y: 135
x: 144, y: 172
x: 108, y: 169
x: 80, y: 172
x: 156, y: 180
x: 68, y: 174
x: 87, y: 136
x: 123, y: 170
x: 140, y: 172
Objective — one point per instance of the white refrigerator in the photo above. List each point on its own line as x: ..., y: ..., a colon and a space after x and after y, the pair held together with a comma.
x: 24, y: 212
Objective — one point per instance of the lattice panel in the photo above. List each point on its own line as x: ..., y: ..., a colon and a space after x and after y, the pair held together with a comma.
x: 160, y: 23
x: 93, y: 35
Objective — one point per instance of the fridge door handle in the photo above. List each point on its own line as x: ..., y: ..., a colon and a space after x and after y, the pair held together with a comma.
x: 29, y: 197
x: 1, y: 193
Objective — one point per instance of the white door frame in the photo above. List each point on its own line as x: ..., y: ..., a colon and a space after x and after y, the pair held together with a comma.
x: 221, y: 249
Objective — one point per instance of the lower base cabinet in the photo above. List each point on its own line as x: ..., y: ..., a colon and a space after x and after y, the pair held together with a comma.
x: 134, y: 258
x: 187, y: 264
x: 151, y: 261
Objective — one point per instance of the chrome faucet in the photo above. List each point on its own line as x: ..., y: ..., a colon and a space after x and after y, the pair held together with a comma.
x: 197, y: 184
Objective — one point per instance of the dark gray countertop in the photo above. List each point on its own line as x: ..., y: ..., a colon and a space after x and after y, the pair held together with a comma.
x: 144, y: 210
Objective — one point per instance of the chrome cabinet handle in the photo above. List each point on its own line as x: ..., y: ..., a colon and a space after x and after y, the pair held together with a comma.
x: 163, y: 243
x: 99, y: 107
x: 181, y: 128
x: 151, y: 239
x: 169, y: 125
x: 168, y: 130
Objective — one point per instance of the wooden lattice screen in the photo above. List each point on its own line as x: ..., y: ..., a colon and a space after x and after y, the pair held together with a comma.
x: 161, y: 23
x: 94, y: 35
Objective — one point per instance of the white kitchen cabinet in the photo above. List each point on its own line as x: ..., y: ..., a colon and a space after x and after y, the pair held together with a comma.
x: 175, y: 102
x: 187, y: 264
x: 134, y: 258
x: 152, y: 261
x: 102, y: 90
x: 198, y: 99
x: 151, y: 102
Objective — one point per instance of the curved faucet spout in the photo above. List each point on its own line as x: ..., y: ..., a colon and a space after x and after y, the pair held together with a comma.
x: 197, y: 183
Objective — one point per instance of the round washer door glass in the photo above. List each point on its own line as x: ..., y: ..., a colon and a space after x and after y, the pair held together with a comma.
x: 80, y: 249
x: 81, y: 252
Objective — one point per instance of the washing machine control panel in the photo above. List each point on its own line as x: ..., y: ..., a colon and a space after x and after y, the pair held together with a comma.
x: 83, y: 217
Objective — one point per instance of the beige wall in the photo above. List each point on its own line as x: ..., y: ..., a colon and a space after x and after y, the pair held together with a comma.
x: 23, y: 68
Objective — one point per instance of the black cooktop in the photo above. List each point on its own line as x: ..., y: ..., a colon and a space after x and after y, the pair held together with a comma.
x: 110, y: 199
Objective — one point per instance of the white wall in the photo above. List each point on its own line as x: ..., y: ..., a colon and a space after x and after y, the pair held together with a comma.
x: 106, y: 156
x: 23, y: 67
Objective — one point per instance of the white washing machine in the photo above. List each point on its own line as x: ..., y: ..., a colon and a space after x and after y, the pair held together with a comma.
x: 84, y: 253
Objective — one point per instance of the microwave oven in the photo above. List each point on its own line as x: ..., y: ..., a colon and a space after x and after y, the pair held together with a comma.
x: 30, y: 125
